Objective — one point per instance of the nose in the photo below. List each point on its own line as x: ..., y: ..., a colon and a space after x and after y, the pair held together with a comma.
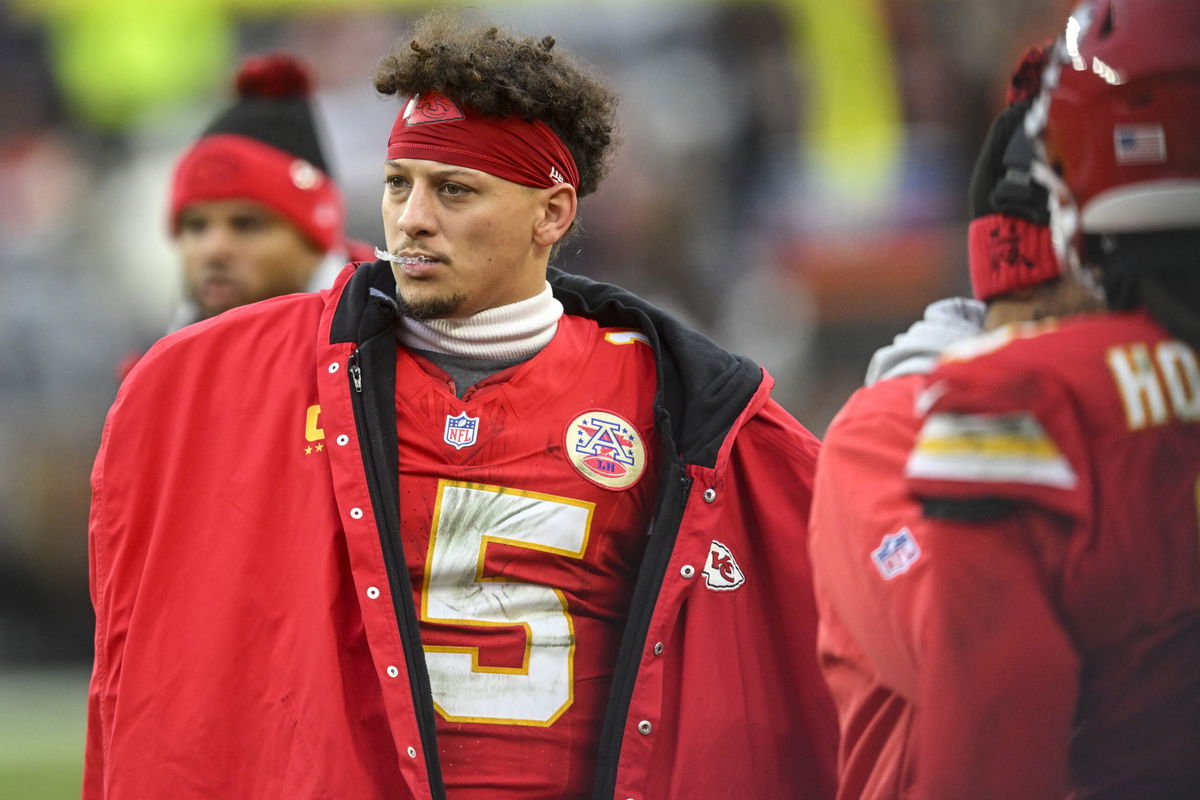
x: 213, y: 244
x: 416, y: 216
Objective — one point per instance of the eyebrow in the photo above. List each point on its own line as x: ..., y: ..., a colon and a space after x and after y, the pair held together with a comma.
x: 442, y: 172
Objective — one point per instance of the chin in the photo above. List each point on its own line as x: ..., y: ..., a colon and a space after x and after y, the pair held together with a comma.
x: 420, y: 307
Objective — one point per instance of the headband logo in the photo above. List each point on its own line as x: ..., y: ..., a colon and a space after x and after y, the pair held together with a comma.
x: 556, y: 176
x: 426, y: 109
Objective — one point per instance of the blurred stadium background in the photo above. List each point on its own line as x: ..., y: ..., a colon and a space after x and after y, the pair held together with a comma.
x: 793, y: 180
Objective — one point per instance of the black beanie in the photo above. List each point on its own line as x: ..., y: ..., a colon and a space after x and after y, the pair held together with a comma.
x: 265, y: 148
x: 273, y: 107
x: 1008, y: 241
x: 1000, y: 182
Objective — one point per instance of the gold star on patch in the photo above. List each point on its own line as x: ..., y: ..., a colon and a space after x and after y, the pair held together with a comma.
x: 319, y: 447
x: 308, y: 451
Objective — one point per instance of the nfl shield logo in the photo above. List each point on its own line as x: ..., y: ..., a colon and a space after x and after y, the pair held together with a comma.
x: 896, y: 553
x: 460, y: 431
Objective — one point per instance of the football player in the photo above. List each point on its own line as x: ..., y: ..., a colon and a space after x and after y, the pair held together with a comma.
x: 462, y: 525
x: 866, y: 529
x: 1058, y: 464
x: 254, y: 212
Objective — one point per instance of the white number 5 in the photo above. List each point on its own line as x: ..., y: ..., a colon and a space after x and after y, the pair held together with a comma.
x: 466, y: 519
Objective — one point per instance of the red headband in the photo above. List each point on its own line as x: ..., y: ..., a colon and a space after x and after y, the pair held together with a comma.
x: 433, y: 127
x: 226, y: 166
x: 1008, y: 253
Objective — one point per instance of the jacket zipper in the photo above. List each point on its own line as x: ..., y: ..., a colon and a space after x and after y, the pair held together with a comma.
x: 393, y: 561
x: 356, y: 374
x: 676, y: 487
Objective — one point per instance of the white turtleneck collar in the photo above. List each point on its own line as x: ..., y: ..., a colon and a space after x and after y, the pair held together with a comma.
x: 515, y: 331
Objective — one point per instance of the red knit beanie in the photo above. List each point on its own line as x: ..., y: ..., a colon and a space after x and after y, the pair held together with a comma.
x: 265, y: 148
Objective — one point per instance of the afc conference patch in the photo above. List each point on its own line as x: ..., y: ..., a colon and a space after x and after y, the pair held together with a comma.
x: 606, y: 449
x: 460, y: 430
x: 896, y: 553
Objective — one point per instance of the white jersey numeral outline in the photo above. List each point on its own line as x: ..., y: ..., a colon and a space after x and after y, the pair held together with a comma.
x: 467, y: 518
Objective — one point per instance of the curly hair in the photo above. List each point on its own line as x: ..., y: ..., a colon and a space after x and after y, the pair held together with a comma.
x: 497, y: 74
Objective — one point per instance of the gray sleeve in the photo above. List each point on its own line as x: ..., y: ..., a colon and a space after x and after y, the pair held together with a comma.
x: 917, y: 349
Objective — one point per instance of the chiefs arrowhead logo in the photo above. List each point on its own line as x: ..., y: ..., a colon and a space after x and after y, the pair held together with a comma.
x: 721, y: 571
x: 424, y: 109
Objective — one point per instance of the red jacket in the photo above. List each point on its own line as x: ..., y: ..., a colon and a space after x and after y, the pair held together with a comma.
x: 256, y: 638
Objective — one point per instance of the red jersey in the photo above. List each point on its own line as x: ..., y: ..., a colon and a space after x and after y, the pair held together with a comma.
x: 863, y: 521
x: 1058, y: 637
x: 524, y: 517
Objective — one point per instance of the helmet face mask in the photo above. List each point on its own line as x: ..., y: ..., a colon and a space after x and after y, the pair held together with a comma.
x: 1066, y: 236
x: 1118, y: 121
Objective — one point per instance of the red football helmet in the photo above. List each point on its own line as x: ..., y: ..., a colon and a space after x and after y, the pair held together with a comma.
x: 1119, y: 120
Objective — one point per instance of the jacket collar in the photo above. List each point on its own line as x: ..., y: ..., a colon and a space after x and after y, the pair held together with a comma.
x: 702, y: 388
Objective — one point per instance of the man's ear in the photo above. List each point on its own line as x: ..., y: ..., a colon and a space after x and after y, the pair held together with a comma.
x: 558, y: 208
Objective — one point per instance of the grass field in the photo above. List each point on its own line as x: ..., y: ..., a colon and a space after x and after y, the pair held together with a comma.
x: 42, y: 720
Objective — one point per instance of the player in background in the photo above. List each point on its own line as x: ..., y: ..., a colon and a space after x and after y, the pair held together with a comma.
x: 864, y: 525
x: 254, y: 210
x: 462, y: 525
x: 1058, y: 468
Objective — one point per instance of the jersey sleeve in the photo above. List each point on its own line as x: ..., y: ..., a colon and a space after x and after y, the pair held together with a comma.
x: 998, y: 677
x: 958, y: 618
x: 991, y: 432
x: 864, y: 537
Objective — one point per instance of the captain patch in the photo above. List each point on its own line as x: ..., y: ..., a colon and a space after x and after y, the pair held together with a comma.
x: 605, y: 449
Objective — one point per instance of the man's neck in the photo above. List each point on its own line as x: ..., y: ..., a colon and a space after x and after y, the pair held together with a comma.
x: 514, y: 331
